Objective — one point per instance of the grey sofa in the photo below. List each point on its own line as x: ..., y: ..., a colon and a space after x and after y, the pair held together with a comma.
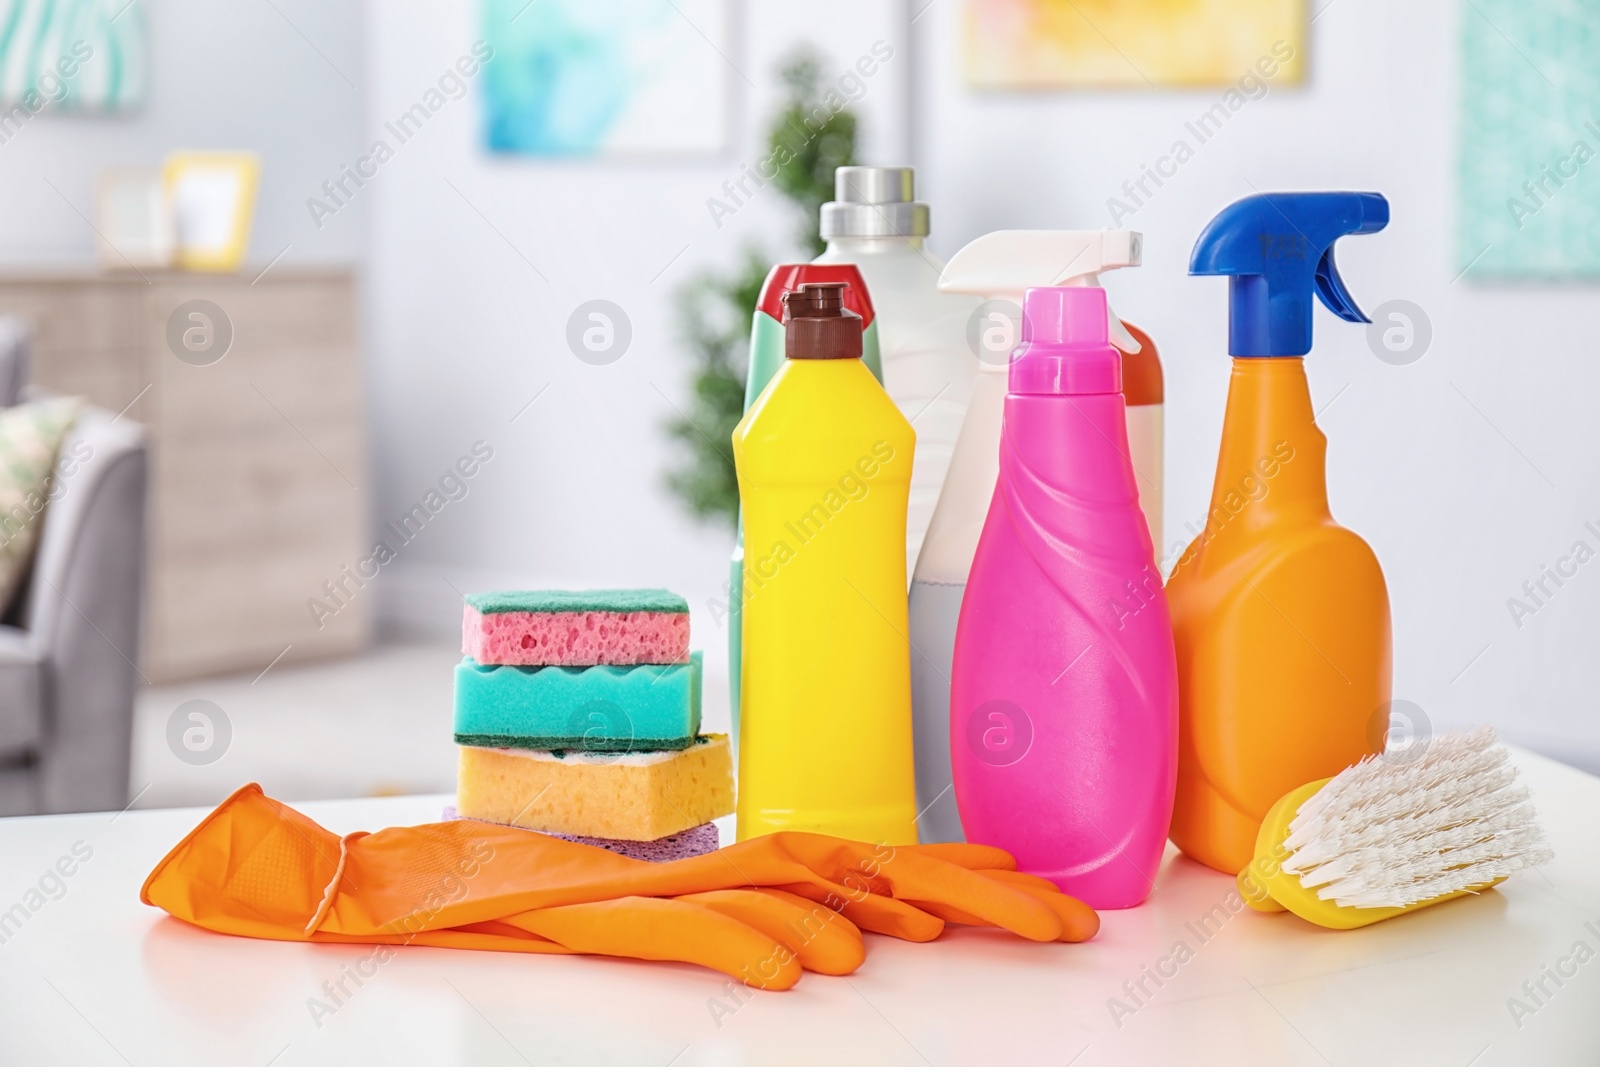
x: 70, y: 642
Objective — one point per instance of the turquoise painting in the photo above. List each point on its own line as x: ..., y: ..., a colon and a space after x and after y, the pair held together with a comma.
x: 71, y: 55
x: 1530, y: 140
x: 620, y: 78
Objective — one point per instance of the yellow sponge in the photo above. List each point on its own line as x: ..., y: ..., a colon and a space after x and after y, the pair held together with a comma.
x: 640, y: 796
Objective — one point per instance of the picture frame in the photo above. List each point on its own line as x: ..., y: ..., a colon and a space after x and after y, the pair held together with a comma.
x: 133, y: 220
x: 212, y: 197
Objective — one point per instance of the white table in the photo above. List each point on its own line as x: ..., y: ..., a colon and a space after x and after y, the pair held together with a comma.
x: 95, y: 977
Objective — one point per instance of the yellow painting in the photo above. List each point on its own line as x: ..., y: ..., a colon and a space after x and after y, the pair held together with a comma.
x: 1158, y: 44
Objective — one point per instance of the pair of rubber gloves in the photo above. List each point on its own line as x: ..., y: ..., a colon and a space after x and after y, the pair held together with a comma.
x: 762, y: 911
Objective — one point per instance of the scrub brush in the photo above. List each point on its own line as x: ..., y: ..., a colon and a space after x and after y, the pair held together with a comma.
x: 1393, y: 834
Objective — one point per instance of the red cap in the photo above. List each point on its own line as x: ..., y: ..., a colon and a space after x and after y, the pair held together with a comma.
x: 787, y: 277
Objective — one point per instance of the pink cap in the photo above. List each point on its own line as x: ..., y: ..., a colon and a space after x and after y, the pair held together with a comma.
x: 1065, y: 348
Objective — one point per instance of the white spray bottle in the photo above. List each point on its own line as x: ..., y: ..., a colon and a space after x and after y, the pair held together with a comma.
x: 998, y: 267
x: 876, y: 223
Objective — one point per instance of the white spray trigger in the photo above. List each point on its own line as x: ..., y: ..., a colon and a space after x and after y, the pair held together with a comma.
x: 1005, y: 263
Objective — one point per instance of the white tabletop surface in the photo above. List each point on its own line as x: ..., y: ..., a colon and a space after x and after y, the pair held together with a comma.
x: 94, y: 977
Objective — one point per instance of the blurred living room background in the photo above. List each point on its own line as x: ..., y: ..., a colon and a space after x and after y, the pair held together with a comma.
x: 320, y: 270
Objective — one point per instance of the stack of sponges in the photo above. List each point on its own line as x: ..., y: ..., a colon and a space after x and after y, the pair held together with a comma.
x: 578, y: 715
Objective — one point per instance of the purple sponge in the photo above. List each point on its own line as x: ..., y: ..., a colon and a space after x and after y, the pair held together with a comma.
x: 695, y: 841
x: 617, y: 627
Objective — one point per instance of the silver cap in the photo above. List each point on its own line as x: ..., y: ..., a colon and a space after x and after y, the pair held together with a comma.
x: 874, y: 202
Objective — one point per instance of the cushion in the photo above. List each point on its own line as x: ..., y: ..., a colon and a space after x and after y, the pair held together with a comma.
x: 30, y: 477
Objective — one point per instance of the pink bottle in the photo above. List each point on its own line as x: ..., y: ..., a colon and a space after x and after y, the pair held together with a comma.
x: 1064, y: 694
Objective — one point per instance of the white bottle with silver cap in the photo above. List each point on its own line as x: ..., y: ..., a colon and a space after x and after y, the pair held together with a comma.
x: 928, y: 370
x: 998, y: 266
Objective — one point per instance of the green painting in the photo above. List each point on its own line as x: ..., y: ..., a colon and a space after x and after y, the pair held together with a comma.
x: 608, y: 78
x: 1529, y: 204
x: 70, y: 55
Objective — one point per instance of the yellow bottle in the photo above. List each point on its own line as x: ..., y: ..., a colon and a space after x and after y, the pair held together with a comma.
x: 824, y: 464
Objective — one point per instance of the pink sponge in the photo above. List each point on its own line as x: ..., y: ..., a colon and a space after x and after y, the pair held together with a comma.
x: 571, y: 629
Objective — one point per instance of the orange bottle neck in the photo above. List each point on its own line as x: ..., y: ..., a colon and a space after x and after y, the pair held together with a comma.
x: 1272, y: 466
x: 1142, y: 380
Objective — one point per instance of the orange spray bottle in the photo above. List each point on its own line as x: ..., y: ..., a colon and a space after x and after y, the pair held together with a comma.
x: 1281, y: 616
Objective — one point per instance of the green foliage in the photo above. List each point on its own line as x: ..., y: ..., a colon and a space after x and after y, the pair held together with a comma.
x: 806, y: 153
x: 717, y: 308
x: 715, y: 323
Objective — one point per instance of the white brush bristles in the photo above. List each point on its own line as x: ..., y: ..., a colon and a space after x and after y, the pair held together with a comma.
x: 1399, y: 829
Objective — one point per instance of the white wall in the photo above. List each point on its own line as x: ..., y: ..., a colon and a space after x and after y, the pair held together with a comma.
x: 475, y: 264
x: 1442, y: 465
x: 230, y: 75
x: 1467, y: 470
x: 1438, y: 464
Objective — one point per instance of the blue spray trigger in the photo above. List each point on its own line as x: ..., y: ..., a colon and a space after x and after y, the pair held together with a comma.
x: 1276, y: 249
x: 1335, y: 297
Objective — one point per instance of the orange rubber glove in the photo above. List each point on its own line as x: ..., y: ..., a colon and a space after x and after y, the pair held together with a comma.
x: 257, y: 868
x: 642, y: 928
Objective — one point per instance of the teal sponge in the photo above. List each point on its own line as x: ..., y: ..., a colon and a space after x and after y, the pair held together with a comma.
x: 564, y: 600
x: 597, y: 709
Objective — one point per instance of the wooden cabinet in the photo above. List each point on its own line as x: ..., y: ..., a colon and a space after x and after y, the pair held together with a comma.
x: 259, y: 477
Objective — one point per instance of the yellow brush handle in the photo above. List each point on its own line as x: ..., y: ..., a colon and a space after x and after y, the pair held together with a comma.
x: 1266, y: 887
x: 1255, y: 896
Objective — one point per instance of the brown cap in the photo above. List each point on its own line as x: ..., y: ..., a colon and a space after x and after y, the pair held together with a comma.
x: 817, y: 325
